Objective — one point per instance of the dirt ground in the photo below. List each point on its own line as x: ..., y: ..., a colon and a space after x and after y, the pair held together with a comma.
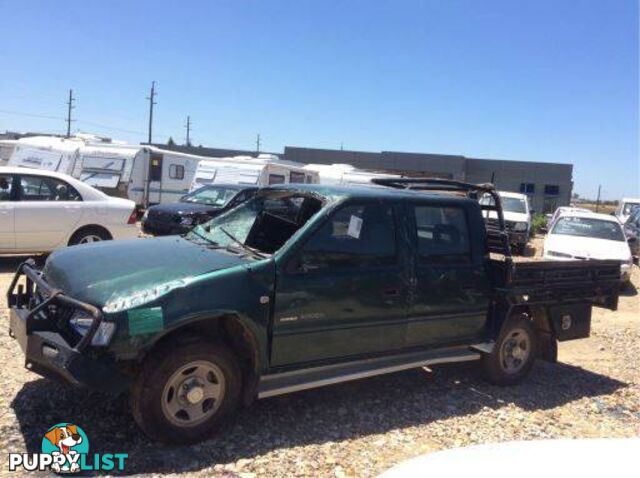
x: 359, y: 428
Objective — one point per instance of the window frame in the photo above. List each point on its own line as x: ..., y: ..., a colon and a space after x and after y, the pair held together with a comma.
x: 19, y: 192
x: 552, y: 194
x: 426, y: 261
x: 178, y: 167
x: 292, y: 263
x: 299, y: 175
x: 284, y: 178
x: 524, y: 188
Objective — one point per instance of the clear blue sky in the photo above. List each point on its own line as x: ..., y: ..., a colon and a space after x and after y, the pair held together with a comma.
x: 528, y: 80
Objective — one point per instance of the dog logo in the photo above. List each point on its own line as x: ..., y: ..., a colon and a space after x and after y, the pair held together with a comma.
x: 66, y: 443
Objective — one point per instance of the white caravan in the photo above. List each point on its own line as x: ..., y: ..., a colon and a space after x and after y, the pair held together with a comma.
x: 144, y: 174
x: 344, y: 174
x: 6, y: 150
x: 264, y: 170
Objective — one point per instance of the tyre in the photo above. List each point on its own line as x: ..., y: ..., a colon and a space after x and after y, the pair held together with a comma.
x: 89, y: 235
x: 519, y: 249
x: 185, y: 391
x: 514, y: 353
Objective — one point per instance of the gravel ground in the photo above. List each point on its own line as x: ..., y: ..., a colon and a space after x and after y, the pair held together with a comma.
x: 359, y: 428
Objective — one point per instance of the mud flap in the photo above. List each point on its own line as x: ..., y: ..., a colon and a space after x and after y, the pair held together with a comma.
x: 547, y: 346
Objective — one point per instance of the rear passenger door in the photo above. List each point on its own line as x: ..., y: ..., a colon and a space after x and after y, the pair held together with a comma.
x: 450, y: 294
x: 7, y: 212
x: 344, y: 292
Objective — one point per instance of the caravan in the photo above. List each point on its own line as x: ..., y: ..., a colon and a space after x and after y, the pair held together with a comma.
x: 264, y: 170
x: 144, y: 174
x: 345, y: 174
x: 6, y: 150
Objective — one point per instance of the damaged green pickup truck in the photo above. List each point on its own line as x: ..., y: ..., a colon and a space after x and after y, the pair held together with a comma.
x: 300, y: 287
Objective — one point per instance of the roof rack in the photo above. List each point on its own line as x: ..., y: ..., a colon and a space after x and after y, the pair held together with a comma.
x: 497, y: 238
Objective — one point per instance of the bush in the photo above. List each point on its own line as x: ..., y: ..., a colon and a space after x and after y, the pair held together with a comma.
x: 538, y: 223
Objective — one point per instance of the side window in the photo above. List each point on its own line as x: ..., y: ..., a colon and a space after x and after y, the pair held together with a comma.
x: 442, y: 234
x: 295, y: 177
x: 176, y: 171
x: 41, y: 188
x: 276, y: 179
x: 5, y: 187
x: 355, y: 236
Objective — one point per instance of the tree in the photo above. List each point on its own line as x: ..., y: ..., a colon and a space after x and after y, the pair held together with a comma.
x: 171, y: 142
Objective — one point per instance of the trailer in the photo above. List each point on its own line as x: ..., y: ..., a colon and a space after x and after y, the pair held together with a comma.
x: 263, y: 170
x: 46, y: 152
x: 6, y: 150
x: 345, y: 174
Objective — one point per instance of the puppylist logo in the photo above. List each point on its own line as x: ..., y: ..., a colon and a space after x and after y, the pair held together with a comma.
x: 65, y: 449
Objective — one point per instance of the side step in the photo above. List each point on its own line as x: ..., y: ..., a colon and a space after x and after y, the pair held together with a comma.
x: 287, y: 382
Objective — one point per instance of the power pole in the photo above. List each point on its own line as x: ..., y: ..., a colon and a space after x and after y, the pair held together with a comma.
x: 258, y: 144
x: 598, y: 200
x: 188, y: 126
x: 69, y: 108
x: 151, y: 99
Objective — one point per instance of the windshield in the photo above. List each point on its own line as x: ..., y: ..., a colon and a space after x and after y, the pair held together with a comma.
x: 588, y: 227
x: 514, y: 205
x: 264, y: 223
x: 629, y: 207
x: 211, y: 195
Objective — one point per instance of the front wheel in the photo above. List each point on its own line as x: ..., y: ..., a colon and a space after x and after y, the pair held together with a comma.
x: 513, y: 354
x: 184, y: 391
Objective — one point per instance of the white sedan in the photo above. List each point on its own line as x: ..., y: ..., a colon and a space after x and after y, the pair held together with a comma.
x: 587, y: 235
x: 43, y: 210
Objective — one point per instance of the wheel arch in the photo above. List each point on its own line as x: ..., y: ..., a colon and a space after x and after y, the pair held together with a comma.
x: 87, y: 227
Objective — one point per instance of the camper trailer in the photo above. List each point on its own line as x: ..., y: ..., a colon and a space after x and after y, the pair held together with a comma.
x: 46, y: 152
x: 145, y: 174
x: 6, y: 150
x: 263, y: 170
x: 345, y: 174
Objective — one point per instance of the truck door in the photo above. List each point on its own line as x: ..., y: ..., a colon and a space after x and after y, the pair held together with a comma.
x: 154, y: 186
x: 345, y: 291
x: 449, y: 299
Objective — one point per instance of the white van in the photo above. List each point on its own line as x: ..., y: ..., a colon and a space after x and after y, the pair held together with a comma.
x: 264, y: 170
x: 625, y: 207
x: 517, y: 217
x: 344, y: 174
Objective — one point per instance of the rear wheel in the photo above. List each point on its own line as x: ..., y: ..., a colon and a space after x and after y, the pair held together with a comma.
x: 89, y: 235
x: 184, y: 392
x: 513, y: 354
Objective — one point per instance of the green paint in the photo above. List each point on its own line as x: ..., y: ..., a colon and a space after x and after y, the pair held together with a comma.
x: 145, y: 321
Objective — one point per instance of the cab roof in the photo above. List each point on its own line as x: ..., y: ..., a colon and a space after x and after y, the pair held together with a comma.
x: 367, y: 192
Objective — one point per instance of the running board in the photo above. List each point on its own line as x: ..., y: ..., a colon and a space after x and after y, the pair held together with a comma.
x: 287, y: 382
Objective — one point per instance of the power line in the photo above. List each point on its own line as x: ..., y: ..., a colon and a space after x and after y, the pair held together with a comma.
x: 69, y: 108
x: 32, y: 115
x: 151, y: 103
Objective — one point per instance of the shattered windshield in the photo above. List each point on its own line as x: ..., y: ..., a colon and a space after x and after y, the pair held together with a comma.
x: 264, y: 223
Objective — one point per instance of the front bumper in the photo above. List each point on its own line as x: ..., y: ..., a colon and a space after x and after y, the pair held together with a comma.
x: 47, y: 352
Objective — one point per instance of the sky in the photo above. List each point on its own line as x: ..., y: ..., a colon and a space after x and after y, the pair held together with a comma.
x: 552, y: 81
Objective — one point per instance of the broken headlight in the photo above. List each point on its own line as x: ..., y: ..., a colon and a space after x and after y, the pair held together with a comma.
x: 81, y: 322
x: 187, y: 221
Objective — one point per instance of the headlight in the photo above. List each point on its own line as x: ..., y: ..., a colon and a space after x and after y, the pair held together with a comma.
x: 81, y: 323
x: 560, y: 254
x: 186, y: 221
x: 520, y: 226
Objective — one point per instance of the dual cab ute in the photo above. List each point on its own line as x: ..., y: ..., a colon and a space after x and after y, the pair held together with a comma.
x: 299, y: 287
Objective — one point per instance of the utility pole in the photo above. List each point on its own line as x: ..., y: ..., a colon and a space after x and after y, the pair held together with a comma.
x: 598, y: 200
x: 151, y: 99
x: 188, y: 126
x: 258, y: 144
x: 69, y: 108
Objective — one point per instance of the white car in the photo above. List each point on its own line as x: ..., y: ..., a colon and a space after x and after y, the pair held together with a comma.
x: 587, y: 235
x: 625, y: 208
x: 43, y: 210
x: 563, y: 210
x: 517, y: 217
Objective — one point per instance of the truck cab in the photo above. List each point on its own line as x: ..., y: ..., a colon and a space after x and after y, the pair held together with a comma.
x: 299, y: 287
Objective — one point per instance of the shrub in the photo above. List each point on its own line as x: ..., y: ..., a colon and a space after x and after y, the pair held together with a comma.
x: 538, y: 223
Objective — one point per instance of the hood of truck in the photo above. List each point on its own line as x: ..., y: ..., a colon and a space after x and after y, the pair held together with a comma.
x: 100, y: 272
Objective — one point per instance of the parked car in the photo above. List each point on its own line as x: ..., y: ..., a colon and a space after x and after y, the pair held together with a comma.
x: 517, y: 216
x: 43, y: 210
x: 588, y: 235
x: 625, y: 207
x: 632, y: 231
x: 563, y: 210
x: 301, y: 286
x: 194, y: 208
